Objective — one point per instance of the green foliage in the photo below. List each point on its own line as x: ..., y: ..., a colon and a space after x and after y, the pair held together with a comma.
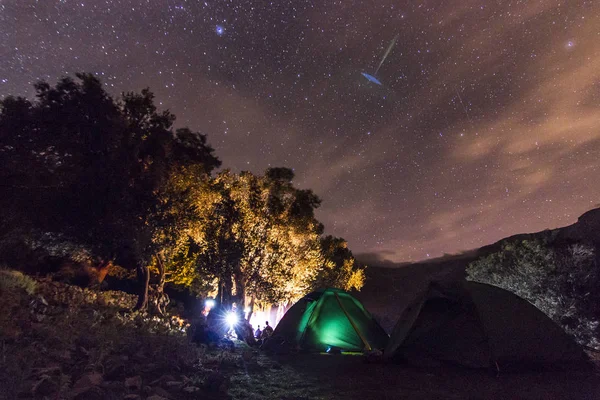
x: 562, y: 282
x: 340, y: 269
x: 91, y: 334
x: 259, y: 237
x: 10, y: 279
x: 252, y: 237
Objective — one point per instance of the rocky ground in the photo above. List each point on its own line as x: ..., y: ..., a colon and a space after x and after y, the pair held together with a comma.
x: 63, y: 342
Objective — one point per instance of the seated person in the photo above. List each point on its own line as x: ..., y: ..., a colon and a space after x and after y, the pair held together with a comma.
x: 267, y: 332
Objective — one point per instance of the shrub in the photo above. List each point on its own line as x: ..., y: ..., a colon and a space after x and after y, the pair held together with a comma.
x: 14, y: 279
x: 560, y: 281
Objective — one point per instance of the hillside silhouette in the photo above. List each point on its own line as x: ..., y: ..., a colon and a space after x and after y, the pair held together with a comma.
x: 390, y: 286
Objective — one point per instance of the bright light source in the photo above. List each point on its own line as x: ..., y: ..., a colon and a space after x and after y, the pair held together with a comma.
x: 231, y: 318
x: 210, y: 303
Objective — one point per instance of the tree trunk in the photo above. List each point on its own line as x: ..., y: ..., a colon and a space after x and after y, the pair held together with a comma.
x: 161, y: 274
x: 240, y: 290
x: 251, y: 309
x: 225, y: 289
x: 219, y: 297
x: 161, y: 297
x: 143, y: 274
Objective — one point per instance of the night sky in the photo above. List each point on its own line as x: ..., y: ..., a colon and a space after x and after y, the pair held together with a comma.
x: 487, y: 123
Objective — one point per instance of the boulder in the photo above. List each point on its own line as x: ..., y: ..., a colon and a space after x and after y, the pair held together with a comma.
x: 191, y: 389
x: 161, y: 392
x: 93, y: 379
x: 86, y: 387
x: 174, y: 384
x: 216, y: 382
x: 162, y: 379
x: 134, y: 382
x: 91, y: 393
x: 44, y: 386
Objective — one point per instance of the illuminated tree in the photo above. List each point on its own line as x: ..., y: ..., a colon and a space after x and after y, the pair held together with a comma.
x: 258, y: 237
x: 340, y: 269
x: 115, y: 178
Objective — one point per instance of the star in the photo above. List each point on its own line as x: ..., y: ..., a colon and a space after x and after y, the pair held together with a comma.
x: 289, y: 72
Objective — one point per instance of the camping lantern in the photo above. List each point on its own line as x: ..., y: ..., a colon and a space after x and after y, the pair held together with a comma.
x: 232, y: 319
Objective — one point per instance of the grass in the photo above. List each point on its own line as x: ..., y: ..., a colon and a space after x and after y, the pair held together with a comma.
x: 10, y: 279
x: 76, y: 339
x: 65, y: 340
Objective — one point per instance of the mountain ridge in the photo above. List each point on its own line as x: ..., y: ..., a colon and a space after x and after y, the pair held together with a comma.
x: 390, y: 286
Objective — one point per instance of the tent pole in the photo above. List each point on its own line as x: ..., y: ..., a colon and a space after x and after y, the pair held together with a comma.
x: 367, y: 345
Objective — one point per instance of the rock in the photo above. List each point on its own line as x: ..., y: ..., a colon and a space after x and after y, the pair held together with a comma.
x: 216, y: 382
x: 132, y: 397
x: 227, y: 344
x: 248, y: 355
x: 147, y: 390
x: 164, y: 378
x: 156, y: 397
x: 101, y: 301
x: 90, y: 393
x: 83, y: 351
x: 161, y: 392
x: 65, y: 355
x: 174, y: 384
x: 113, y: 386
x: 135, y: 382
x: 42, y: 300
x: 149, y: 367
x: 140, y: 357
x: 276, y: 365
x: 44, y: 387
x: 88, y: 380
x: 53, y: 370
x: 191, y: 389
x: 115, y: 368
x: 86, y: 387
x: 11, y: 333
x: 116, y: 372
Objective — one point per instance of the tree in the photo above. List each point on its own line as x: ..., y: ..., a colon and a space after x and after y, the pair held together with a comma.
x: 98, y: 171
x: 340, y: 269
x: 258, y: 238
x: 560, y: 280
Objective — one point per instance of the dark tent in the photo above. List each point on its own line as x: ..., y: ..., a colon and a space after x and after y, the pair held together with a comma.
x: 479, y: 325
x: 330, y: 318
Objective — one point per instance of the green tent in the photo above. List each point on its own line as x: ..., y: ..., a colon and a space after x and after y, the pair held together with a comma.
x: 479, y: 325
x: 330, y: 318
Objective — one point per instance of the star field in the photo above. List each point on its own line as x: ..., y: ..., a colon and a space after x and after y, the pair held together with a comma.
x: 487, y: 123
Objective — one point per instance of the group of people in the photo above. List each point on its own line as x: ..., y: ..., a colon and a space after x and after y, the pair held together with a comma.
x: 264, y: 333
x: 244, y: 331
x: 211, y: 327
